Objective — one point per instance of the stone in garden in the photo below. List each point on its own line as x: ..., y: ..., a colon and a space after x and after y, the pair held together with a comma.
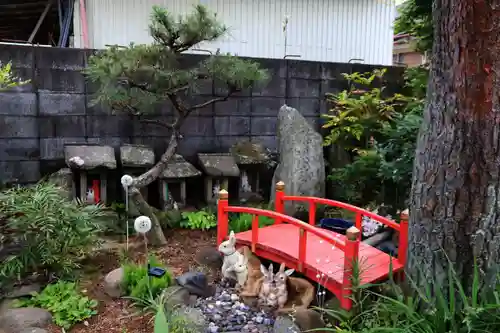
x: 285, y: 324
x: 196, y: 283
x: 33, y: 330
x: 209, y: 257
x: 113, y: 281
x: 194, y: 317
x: 308, y: 319
x: 301, y: 164
x: 64, y: 179
x: 176, y: 296
x: 18, y: 320
x: 23, y: 291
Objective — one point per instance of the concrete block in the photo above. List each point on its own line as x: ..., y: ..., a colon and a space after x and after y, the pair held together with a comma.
x: 18, y: 127
x: 275, y: 67
x: 235, y: 106
x: 266, y: 106
x: 232, y: 126
x: 62, y: 126
x: 276, y: 87
x: 334, y: 70
x: 59, y: 58
x: 333, y: 86
x: 304, y: 88
x: 63, y: 80
x: 57, y: 104
x: 109, y: 126
x: 197, y: 126
x: 18, y: 104
x: 20, y: 171
x: 108, y: 141
x: 19, y: 149
x: 190, y: 146
x: 221, y: 89
x: 264, y: 126
x: 299, y: 69
x: 306, y: 106
x: 53, y: 148
x: 20, y: 56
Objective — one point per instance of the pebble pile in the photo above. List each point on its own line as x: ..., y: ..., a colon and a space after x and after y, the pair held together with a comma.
x: 225, y: 312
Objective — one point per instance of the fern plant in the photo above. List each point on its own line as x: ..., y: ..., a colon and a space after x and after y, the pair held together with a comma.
x: 51, y: 233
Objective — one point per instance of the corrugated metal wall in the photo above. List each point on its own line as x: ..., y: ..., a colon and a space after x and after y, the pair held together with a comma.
x: 319, y: 30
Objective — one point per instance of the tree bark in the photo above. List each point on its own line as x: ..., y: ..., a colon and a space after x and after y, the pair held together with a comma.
x: 156, y: 237
x: 455, y: 200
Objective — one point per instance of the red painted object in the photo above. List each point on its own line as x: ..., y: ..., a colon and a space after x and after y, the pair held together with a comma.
x: 322, y: 255
x: 97, y: 191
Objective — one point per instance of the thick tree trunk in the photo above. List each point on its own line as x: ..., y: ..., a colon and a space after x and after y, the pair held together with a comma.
x: 455, y: 201
x: 155, y: 236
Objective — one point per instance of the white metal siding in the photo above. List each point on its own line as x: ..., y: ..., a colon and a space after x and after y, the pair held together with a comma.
x: 318, y: 30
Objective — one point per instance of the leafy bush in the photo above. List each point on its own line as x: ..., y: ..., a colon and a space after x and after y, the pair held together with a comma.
x: 139, y: 286
x: 7, y: 79
x: 435, y: 308
x: 64, y: 301
x: 381, y: 173
x: 243, y: 222
x: 202, y: 219
x: 51, y: 232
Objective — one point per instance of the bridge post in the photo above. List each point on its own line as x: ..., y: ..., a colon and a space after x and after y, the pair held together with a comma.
x: 279, y: 203
x: 403, y: 241
x: 222, y: 216
x: 350, y: 266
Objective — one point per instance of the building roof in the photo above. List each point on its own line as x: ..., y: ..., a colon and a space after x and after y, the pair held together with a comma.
x: 219, y: 165
x: 18, y: 19
x: 137, y: 156
x: 178, y: 168
x: 89, y: 157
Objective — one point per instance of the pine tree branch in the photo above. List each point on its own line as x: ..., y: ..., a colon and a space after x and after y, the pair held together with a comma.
x: 158, y: 123
x: 231, y: 91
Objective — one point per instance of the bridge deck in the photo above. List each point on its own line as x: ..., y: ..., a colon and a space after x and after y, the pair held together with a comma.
x: 281, y: 242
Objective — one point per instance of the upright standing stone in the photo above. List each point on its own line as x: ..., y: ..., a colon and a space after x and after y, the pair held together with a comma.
x: 301, y: 164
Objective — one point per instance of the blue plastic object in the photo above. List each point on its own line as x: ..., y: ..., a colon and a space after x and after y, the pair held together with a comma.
x: 156, y: 272
x: 340, y: 226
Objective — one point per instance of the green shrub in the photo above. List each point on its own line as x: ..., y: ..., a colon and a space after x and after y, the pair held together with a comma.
x: 446, y: 307
x: 53, y: 233
x: 64, y: 301
x: 243, y: 222
x: 202, y: 219
x: 139, y: 286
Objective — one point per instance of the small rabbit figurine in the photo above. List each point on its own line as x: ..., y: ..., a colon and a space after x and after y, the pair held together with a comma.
x: 231, y: 256
x: 90, y: 196
x: 281, y: 289
x: 267, y: 284
x: 241, y: 271
x: 274, y: 292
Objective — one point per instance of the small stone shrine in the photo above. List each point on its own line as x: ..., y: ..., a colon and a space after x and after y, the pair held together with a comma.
x: 178, y: 169
x: 250, y: 158
x: 219, y: 168
x: 90, y: 165
x: 136, y: 159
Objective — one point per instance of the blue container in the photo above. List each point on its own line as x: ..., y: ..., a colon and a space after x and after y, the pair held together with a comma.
x: 340, y: 226
x: 157, y: 272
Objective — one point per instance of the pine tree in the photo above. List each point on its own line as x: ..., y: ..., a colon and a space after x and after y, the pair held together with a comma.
x: 139, y: 78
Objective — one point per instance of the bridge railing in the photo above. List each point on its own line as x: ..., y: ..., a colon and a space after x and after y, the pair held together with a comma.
x: 350, y: 246
x: 402, y: 227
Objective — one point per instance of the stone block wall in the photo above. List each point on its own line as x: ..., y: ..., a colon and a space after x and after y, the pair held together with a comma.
x: 36, y: 120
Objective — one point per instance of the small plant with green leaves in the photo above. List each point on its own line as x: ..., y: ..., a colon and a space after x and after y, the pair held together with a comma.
x: 243, y: 222
x: 7, y: 79
x: 64, y: 301
x: 54, y: 233
x: 141, y: 288
x: 202, y: 220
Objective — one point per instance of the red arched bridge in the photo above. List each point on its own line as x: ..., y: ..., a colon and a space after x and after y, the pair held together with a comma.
x: 323, y: 256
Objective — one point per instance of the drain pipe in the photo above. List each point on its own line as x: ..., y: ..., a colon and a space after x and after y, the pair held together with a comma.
x: 83, y: 20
